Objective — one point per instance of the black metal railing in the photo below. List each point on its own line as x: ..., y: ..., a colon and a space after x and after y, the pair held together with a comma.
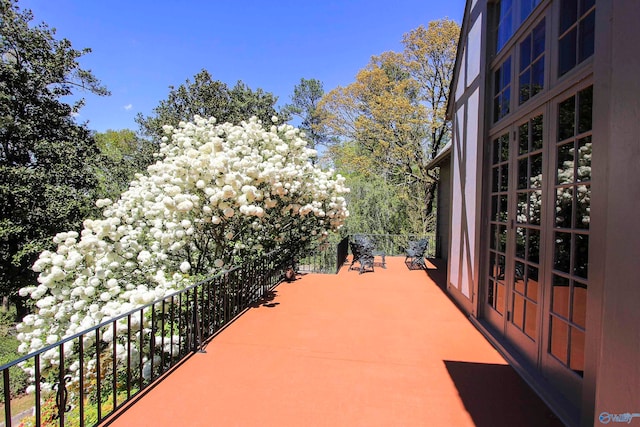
x: 326, y: 258
x: 86, y: 377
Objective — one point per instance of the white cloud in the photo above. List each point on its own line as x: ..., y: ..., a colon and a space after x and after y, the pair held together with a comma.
x: 128, y: 107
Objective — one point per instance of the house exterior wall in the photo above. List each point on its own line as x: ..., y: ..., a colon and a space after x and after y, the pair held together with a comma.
x: 466, y: 160
x: 608, y: 383
x: 616, y: 258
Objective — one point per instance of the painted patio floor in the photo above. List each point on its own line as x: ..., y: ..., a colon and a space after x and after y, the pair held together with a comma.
x: 387, y: 348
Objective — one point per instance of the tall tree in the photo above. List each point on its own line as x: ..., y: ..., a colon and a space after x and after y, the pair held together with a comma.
x: 304, y: 105
x: 206, y: 97
x: 47, y: 182
x: 123, y: 155
x: 395, y: 112
x: 430, y: 55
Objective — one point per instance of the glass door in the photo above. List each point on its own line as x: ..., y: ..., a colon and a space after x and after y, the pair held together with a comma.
x: 524, y: 293
x: 513, y: 294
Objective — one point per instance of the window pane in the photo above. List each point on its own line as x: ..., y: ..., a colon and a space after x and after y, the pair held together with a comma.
x: 525, y: 86
x: 564, y: 174
x: 502, y: 239
x: 581, y: 256
x: 504, y: 209
x: 583, y: 207
x: 567, y: 52
x: 518, y: 311
x: 525, y: 53
x: 532, y: 283
x: 559, y: 339
x: 535, y: 178
x: 493, y: 237
x: 493, y: 267
x: 531, y: 319
x: 579, y: 307
x: 518, y: 275
x: 500, y: 294
x: 584, y: 160
x: 526, y: 8
x: 522, y: 208
x: 586, y: 36
x: 521, y: 239
x: 505, y: 25
x: 585, y: 5
x: 506, y: 99
x: 504, y: 148
x: 523, y: 133
x: 494, y: 208
x: 568, y: 14
x: 506, y: 72
x: 534, y: 246
x: 585, y: 109
x: 538, y: 40
x: 495, y: 185
x: 504, y: 177
x: 562, y: 255
x: 523, y: 174
x: 560, y: 296
x: 566, y: 118
x: 576, y: 358
x: 535, y: 207
x: 501, y: 267
x: 537, y: 77
x: 564, y: 207
x: 536, y: 133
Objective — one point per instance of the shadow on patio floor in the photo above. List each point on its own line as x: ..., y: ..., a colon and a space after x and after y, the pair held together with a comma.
x: 495, y: 396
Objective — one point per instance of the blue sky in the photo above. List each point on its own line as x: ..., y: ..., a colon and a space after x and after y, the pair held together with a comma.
x: 140, y: 47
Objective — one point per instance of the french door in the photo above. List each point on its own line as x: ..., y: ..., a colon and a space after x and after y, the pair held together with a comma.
x: 537, y: 253
x: 513, y: 296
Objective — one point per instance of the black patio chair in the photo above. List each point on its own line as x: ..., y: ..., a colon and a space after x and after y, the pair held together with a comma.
x: 362, y: 251
x: 415, y: 254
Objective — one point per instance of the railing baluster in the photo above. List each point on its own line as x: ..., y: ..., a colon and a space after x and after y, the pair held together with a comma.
x: 7, y: 396
x: 128, y: 356
x: 114, y: 365
x: 81, y: 378
x: 36, y: 366
x: 98, y: 384
x: 141, y: 352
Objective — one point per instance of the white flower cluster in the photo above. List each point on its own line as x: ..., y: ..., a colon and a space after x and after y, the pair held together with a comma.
x: 218, y: 193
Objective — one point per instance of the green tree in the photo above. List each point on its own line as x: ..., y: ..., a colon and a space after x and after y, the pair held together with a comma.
x: 47, y: 182
x: 206, y: 97
x: 375, y: 205
x: 304, y: 105
x: 123, y: 155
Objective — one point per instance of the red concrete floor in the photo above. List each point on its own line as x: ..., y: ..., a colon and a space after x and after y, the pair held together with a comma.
x: 386, y: 348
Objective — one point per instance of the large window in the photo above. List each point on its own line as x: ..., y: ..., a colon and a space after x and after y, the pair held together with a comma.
x: 577, y: 33
x: 502, y: 90
x: 510, y: 15
x: 531, y: 70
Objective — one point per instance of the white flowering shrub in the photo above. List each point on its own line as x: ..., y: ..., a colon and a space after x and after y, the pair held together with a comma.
x: 218, y: 195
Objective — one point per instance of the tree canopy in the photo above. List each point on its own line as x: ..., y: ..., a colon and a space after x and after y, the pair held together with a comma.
x: 206, y: 97
x: 395, y: 114
x: 304, y: 105
x: 47, y: 182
